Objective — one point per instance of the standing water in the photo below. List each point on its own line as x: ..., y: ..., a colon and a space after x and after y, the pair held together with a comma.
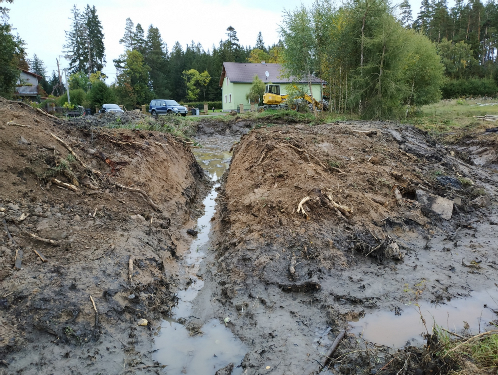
x: 217, y: 346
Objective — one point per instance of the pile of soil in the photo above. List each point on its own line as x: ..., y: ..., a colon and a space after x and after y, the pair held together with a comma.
x: 92, y: 224
x: 321, y: 192
x: 319, y: 225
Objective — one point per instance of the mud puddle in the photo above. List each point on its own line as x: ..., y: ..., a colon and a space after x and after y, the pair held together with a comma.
x: 472, y: 314
x: 213, y: 346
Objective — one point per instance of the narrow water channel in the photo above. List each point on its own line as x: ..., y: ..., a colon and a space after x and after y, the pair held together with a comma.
x: 216, y: 347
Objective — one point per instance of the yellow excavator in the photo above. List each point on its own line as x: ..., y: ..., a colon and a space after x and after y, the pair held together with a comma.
x: 273, y: 99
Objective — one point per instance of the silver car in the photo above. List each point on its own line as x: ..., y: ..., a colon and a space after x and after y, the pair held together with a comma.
x: 113, y: 108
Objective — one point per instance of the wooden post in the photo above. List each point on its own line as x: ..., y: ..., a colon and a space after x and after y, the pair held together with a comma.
x: 253, y: 107
x: 241, y: 106
x: 206, y: 109
x: 143, y: 108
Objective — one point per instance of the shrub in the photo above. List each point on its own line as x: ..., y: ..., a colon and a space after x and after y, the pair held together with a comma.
x: 200, y: 105
x: 469, y: 87
x: 77, y: 97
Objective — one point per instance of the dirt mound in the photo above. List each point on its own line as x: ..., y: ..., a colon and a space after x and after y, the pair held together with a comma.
x: 323, y: 192
x: 90, y: 219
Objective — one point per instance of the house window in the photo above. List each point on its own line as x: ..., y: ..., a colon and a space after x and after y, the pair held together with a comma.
x: 226, y: 99
x: 230, y: 98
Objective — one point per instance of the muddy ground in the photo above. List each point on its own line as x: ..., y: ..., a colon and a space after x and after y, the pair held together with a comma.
x: 386, y: 218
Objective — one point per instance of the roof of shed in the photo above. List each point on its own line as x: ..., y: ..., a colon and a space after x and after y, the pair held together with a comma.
x: 245, y: 72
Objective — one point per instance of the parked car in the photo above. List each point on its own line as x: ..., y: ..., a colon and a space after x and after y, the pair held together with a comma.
x: 113, y: 108
x: 166, y: 107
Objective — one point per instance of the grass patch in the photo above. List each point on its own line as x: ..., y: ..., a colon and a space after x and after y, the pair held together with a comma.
x: 454, y: 119
x: 481, y: 350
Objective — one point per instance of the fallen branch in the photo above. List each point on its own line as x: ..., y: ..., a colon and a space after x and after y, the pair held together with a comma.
x: 453, y: 333
x: 44, y: 240
x: 130, y: 268
x: 343, y: 209
x: 12, y: 123
x: 333, y: 348
x: 75, y: 155
x: 306, y: 153
x: 479, y: 336
x: 47, y: 114
x: 143, y: 193
x: 64, y: 184
x: 300, y: 206
x: 8, y: 233
x: 43, y: 259
x: 18, y: 259
x: 96, y: 312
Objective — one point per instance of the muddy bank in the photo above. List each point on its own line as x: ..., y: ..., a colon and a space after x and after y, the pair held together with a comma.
x: 318, y: 226
x: 93, y: 223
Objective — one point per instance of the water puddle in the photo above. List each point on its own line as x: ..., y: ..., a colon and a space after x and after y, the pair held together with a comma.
x: 216, y: 347
x: 386, y: 328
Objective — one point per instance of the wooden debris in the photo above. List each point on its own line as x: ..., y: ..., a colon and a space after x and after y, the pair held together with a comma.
x: 398, y: 196
x: 333, y: 348
x: 300, y: 206
x: 346, y: 211
x: 367, y: 132
x: 479, y: 336
x: 64, y: 184
x: 487, y: 118
x: 18, y: 259
x: 12, y: 123
x: 130, y: 268
x: 43, y: 259
x: 8, y: 233
x: 75, y: 155
x: 93, y: 303
x: 143, y: 193
x: 96, y: 313
x: 44, y: 240
x: 292, y: 267
x: 46, y: 114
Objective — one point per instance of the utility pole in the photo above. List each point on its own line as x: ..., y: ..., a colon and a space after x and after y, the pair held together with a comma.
x: 67, y: 87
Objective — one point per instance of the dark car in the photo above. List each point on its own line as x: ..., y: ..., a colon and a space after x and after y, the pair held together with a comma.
x: 166, y: 107
x: 113, y: 108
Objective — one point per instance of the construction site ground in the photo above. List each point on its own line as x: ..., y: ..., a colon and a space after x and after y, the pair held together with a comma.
x: 320, y: 232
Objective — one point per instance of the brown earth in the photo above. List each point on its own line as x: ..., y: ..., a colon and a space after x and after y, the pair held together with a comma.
x: 384, y: 209
x: 89, y: 237
x: 366, y: 240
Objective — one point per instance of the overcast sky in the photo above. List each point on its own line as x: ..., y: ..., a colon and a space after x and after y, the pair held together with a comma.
x: 41, y: 24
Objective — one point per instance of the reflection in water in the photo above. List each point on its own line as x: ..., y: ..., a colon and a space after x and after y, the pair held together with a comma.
x: 386, y: 328
x: 217, y: 346
x: 202, y: 354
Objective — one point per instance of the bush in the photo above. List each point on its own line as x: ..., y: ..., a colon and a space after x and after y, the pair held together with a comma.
x: 78, y: 97
x: 100, y: 94
x: 469, y: 87
x: 200, y: 105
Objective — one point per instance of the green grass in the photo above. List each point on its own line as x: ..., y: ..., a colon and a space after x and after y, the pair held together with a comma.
x: 454, y: 115
x: 481, y: 350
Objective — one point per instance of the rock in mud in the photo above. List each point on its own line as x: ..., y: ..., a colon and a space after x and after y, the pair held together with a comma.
x: 227, y: 370
x: 435, y: 203
x: 192, y: 232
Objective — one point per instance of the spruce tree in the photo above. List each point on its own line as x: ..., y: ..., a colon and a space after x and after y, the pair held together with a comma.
x: 156, y: 57
x: 128, y: 38
x: 95, y: 41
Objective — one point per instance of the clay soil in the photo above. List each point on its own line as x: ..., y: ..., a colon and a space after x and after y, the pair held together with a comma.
x: 315, y: 226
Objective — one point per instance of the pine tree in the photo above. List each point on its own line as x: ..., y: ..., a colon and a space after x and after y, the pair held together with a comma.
x: 406, y: 14
x: 128, y: 38
x: 75, y: 42
x: 95, y: 41
x: 156, y: 57
x: 259, y: 43
x: 84, y: 46
x: 139, y: 39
